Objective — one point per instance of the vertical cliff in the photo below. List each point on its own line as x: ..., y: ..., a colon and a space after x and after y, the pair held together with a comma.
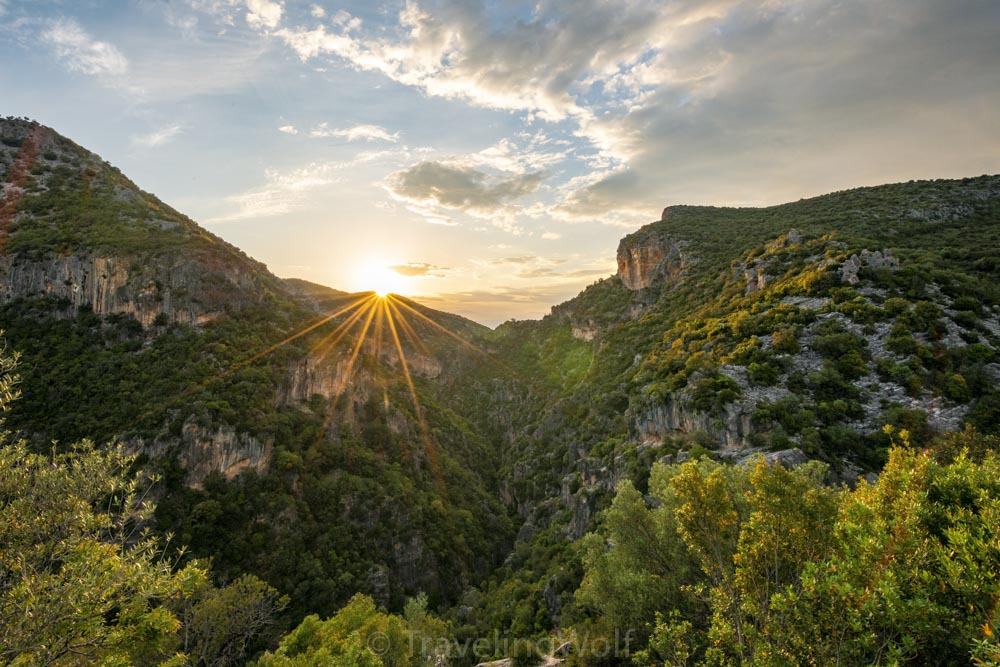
x: 650, y: 256
x: 74, y: 229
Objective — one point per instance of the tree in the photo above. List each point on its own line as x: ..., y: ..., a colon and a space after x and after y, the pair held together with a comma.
x: 80, y: 578
x: 221, y: 625
x: 84, y: 581
x: 359, y: 635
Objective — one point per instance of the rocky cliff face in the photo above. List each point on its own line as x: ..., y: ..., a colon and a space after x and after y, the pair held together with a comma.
x: 75, y: 229
x: 202, y: 450
x: 730, y: 426
x: 183, y: 289
x: 647, y: 257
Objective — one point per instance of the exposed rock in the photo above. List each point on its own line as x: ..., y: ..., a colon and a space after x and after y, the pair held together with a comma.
x: 675, y: 416
x: 647, y: 257
x: 756, y: 279
x: 202, y: 451
x: 806, y: 303
x: 788, y: 458
x: 875, y: 260
x: 183, y: 288
x: 584, y: 331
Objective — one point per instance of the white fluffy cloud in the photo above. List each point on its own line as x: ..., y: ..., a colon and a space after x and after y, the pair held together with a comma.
x: 420, y: 270
x: 283, y: 192
x: 264, y: 13
x: 80, y: 52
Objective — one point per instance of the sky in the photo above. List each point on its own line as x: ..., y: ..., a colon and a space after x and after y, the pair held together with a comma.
x: 486, y: 157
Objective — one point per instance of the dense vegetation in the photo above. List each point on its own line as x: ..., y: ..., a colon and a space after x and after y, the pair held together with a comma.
x: 762, y: 565
x: 594, y: 476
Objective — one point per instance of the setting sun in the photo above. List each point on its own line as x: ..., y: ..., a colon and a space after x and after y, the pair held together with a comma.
x: 377, y: 276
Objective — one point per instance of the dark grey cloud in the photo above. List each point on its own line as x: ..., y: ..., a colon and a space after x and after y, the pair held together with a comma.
x: 807, y: 98
x: 460, y: 187
x: 719, y: 101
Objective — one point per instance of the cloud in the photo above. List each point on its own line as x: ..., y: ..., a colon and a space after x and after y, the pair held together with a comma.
x: 455, y: 186
x: 774, y: 101
x: 495, y: 304
x: 612, y: 197
x: 520, y: 260
x: 719, y: 101
x: 80, y: 52
x: 282, y: 193
x: 551, y: 236
x: 544, y: 272
x: 530, y: 64
x: 263, y: 13
x: 288, y: 129
x: 365, y: 132
x: 158, y: 137
x: 420, y: 269
x: 317, y: 12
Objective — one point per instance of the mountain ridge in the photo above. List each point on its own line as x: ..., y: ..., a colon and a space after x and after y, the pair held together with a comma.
x: 464, y: 461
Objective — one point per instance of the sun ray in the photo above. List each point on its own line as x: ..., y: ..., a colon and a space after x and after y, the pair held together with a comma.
x: 303, y: 332
x: 207, y: 382
x: 439, y: 327
x: 370, y: 311
x: 429, y: 447
x: 325, y: 346
x: 408, y: 330
x: 379, y: 327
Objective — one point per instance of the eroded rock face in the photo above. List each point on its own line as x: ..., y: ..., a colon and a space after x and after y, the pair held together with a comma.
x: 202, y: 450
x: 731, y: 426
x: 587, y: 331
x: 645, y: 258
x: 183, y: 289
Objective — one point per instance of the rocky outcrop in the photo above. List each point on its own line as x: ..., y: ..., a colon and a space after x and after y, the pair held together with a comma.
x: 867, y: 259
x: 731, y: 426
x: 756, y: 279
x: 202, y: 450
x: 647, y: 257
x: 325, y: 375
x: 788, y: 458
x: 183, y: 289
x: 584, y: 331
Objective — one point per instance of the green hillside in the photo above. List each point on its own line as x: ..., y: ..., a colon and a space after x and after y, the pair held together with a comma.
x: 393, y: 468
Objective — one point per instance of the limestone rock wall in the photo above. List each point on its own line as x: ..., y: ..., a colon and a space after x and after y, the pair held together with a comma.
x: 647, y: 258
x: 184, y: 289
x: 202, y: 450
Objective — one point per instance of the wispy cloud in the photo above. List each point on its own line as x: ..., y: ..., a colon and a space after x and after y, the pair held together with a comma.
x: 283, y: 192
x: 157, y: 137
x: 79, y: 52
x: 364, y: 132
x: 288, y: 129
x: 420, y: 269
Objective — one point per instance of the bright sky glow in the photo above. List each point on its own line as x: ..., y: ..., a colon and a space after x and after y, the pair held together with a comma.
x: 491, y: 153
